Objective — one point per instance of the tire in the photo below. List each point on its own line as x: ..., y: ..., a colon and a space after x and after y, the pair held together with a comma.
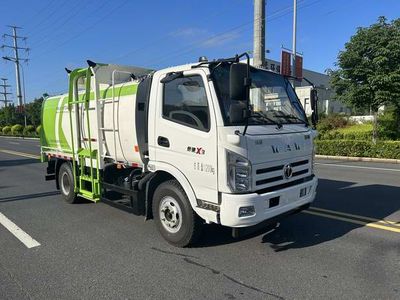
x: 66, y: 182
x: 174, y: 217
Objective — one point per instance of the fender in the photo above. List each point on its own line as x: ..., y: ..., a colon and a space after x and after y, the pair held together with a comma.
x: 208, y: 215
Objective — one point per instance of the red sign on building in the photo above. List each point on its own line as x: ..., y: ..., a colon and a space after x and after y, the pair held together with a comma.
x: 299, y: 67
x: 285, y: 63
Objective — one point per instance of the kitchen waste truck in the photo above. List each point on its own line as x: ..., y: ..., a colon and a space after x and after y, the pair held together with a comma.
x: 211, y: 142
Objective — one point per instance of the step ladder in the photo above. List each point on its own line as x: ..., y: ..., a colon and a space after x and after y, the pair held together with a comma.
x: 86, y: 175
x: 100, y: 105
x: 103, y: 150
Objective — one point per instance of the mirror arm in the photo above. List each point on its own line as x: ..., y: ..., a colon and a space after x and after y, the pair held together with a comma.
x: 245, y: 127
x: 248, y: 84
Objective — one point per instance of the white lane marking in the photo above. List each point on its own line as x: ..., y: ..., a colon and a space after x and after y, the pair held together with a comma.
x: 14, y: 143
x: 25, y: 238
x: 20, y: 154
x: 358, y: 167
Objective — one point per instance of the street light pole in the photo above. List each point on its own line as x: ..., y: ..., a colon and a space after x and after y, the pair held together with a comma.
x: 294, y: 41
x: 24, y: 99
x: 259, y: 33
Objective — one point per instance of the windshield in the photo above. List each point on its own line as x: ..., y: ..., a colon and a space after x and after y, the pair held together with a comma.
x: 271, y: 96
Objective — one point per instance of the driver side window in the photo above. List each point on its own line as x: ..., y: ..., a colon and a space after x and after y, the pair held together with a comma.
x: 185, y: 102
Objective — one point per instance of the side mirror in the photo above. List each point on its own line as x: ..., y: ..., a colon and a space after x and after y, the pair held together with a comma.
x: 239, y: 82
x: 314, y: 106
x: 238, y: 112
x: 314, y: 99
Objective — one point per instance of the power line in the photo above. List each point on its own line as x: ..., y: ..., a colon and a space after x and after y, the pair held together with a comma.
x: 47, y: 18
x: 110, y: 12
x: 237, y: 28
x: 274, y: 16
x: 60, y: 23
x: 40, y: 11
x: 166, y: 36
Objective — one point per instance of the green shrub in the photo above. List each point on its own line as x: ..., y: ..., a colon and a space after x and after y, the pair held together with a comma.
x: 382, y: 149
x: 332, y: 122
x: 38, y: 129
x: 29, y: 130
x: 353, y: 132
x: 17, y: 129
x: 1, y: 129
x: 387, y: 126
x: 6, y: 130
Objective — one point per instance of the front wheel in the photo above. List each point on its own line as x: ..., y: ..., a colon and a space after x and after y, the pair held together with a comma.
x: 66, y: 182
x: 174, y: 216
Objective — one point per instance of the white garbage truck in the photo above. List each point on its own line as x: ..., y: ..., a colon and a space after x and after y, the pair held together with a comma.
x: 210, y: 142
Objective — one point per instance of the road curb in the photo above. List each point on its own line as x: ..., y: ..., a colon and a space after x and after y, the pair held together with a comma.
x: 367, y: 159
x: 19, y: 137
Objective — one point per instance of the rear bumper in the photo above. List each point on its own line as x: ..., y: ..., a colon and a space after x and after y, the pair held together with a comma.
x: 289, y: 199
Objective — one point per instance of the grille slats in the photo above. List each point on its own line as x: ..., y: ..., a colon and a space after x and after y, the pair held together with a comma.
x: 285, y: 185
x: 299, y: 163
x: 271, y: 169
x: 268, y: 180
x: 269, y: 175
x: 298, y: 173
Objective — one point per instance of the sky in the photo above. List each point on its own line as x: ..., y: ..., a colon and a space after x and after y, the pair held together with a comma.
x: 157, y: 34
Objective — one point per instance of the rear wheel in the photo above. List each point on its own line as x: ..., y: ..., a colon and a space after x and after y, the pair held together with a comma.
x: 174, y: 216
x: 66, y: 182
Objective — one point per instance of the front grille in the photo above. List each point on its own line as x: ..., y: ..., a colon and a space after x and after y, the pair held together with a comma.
x: 269, y: 174
x: 285, y: 185
x: 280, y: 167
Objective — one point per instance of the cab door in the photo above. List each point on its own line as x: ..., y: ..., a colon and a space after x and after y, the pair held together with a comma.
x: 185, y: 132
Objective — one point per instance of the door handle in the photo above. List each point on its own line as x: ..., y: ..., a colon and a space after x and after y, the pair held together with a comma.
x: 163, y: 141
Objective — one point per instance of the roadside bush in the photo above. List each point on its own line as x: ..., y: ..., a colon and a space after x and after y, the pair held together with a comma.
x: 1, y: 129
x: 382, y: 149
x: 17, y: 129
x: 29, y: 130
x: 387, y: 126
x: 353, y: 132
x: 332, y: 122
x: 6, y: 130
x: 38, y: 129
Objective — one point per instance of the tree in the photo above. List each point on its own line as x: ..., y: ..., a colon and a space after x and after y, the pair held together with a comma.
x: 10, y: 116
x: 33, y: 111
x: 368, y: 69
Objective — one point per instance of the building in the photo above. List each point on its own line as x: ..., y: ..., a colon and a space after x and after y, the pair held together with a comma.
x: 326, y: 104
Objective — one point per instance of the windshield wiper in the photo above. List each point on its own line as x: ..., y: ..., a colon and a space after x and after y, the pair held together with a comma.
x: 258, y: 115
x: 293, y: 117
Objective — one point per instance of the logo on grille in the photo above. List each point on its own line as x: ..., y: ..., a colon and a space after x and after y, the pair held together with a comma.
x: 287, y: 171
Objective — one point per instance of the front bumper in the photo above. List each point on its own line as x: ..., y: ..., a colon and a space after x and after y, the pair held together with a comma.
x: 289, y: 199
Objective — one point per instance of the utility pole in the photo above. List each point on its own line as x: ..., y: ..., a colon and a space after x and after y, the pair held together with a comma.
x: 16, y: 59
x: 4, y: 85
x: 259, y: 33
x: 294, y: 41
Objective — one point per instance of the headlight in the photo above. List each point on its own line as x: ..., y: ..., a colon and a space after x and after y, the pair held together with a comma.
x: 239, y: 173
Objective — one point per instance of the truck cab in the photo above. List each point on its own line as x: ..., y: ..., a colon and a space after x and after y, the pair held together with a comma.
x: 238, y: 179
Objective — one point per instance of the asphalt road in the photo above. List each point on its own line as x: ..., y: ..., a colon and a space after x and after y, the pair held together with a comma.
x: 347, y: 246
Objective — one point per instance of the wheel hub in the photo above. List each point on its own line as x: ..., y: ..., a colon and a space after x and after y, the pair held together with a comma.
x: 65, y: 184
x: 170, y: 214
